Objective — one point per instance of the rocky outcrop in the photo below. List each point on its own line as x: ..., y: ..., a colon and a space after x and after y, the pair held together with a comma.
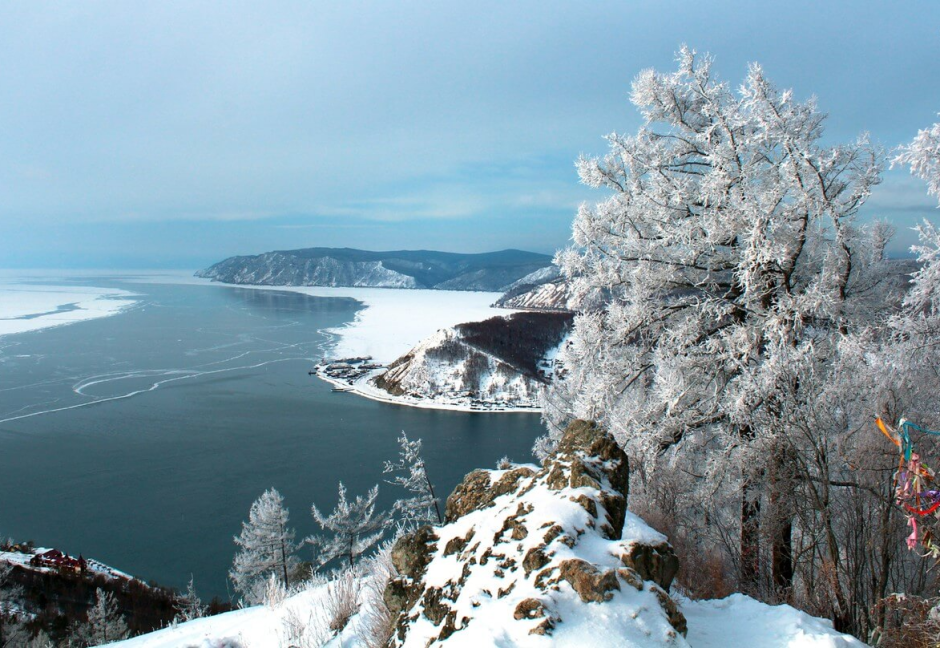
x: 539, y: 556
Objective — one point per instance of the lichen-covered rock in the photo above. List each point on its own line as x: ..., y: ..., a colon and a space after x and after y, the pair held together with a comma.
x: 655, y: 562
x: 539, y: 556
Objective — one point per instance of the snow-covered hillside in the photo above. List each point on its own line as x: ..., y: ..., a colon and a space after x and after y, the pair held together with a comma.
x: 498, y: 364
x: 534, y: 556
x: 544, y: 289
x: 446, y: 369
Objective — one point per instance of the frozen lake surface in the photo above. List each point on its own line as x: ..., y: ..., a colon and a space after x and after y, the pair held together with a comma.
x: 141, y: 439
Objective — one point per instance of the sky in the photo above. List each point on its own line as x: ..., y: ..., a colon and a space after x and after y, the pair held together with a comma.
x: 173, y: 134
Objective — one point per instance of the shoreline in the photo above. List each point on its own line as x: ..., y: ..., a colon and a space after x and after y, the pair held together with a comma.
x: 362, y: 388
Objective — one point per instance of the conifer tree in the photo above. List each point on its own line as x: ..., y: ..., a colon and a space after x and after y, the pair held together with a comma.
x: 8, y: 594
x: 353, y: 528
x: 266, y: 547
x: 191, y: 606
x: 105, y: 623
x: 416, y: 510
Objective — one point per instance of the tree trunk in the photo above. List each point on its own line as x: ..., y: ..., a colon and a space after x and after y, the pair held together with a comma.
x: 781, y: 502
x: 782, y: 558
x: 750, y: 539
x: 284, y: 563
x: 437, y: 507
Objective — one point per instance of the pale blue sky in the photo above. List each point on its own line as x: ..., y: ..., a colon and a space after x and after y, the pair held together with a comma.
x: 173, y: 134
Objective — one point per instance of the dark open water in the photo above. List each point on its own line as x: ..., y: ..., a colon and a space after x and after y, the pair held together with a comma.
x: 157, y: 483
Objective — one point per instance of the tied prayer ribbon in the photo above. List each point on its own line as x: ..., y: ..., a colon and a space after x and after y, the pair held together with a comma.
x: 912, y: 539
x: 912, y: 482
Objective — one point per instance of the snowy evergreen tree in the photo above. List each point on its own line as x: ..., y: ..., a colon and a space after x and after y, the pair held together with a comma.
x: 422, y: 507
x: 11, y: 594
x: 190, y: 605
x: 266, y: 546
x: 353, y: 528
x: 105, y: 624
x: 718, y: 280
x: 727, y: 242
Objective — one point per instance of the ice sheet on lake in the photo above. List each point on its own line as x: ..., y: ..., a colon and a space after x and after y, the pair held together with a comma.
x: 29, y: 307
x: 394, y: 321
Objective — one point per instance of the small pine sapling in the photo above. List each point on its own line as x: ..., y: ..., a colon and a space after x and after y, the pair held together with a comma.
x: 353, y: 528
x: 413, y: 511
x: 105, y: 623
x: 190, y: 605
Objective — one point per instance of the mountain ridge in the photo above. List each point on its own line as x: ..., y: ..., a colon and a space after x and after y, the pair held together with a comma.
x: 351, y: 267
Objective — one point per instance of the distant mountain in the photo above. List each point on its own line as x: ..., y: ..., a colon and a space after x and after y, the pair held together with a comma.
x: 491, y: 271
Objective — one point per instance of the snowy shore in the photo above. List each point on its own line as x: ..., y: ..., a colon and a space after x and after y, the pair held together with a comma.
x: 394, y: 320
x: 391, y: 323
x: 362, y: 387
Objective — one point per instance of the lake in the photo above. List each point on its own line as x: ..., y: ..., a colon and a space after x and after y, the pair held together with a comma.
x: 142, y: 439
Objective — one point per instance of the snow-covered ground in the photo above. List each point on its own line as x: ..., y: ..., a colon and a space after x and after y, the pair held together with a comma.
x: 735, y: 621
x: 739, y: 620
x: 30, y: 307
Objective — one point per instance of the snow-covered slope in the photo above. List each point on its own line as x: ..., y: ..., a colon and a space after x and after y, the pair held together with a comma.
x: 552, y: 295
x: 499, y: 362
x: 536, y: 556
x: 737, y: 621
x: 544, y: 289
x: 445, y: 368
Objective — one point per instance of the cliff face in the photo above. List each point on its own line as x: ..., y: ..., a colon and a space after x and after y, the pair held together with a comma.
x: 539, y: 556
x: 361, y: 268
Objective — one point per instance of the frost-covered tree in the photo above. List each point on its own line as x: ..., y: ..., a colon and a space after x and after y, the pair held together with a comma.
x: 922, y: 155
x: 190, y: 605
x: 266, y: 547
x: 352, y: 528
x: 11, y: 595
x: 725, y: 254
x: 105, y: 624
x: 422, y: 507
